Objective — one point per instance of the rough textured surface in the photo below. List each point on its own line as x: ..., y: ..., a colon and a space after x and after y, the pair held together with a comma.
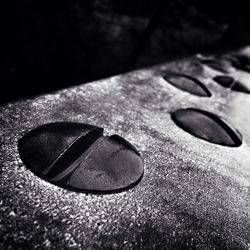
x: 194, y: 194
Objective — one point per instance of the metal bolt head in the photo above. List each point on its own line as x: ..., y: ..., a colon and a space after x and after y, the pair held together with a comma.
x: 207, y: 126
x: 78, y: 156
x: 187, y: 83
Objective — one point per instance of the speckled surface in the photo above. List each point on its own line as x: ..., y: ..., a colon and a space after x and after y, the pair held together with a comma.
x: 194, y: 194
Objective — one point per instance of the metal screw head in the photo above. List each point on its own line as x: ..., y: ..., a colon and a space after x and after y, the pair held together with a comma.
x: 240, y: 61
x: 229, y: 82
x: 78, y: 156
x: 187, y: 83
x: 224, y: 80
x: 215, y: 64
x: 207, y: 126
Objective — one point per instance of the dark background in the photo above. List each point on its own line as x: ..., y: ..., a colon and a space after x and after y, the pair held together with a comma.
x: 49, y: 45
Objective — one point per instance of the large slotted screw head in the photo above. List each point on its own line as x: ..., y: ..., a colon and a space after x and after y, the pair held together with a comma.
x: 78, y: 156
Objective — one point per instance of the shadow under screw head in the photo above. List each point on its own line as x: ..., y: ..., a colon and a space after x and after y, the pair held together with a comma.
x: 78, y: 156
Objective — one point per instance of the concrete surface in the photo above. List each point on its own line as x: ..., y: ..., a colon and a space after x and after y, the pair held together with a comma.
x: 194, y: 194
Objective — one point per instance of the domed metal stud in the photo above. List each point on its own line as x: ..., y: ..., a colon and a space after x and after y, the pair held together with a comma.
x: 215, y: 64
x: 240, y: 61
x: 224, y: 80
x: 230, y: 82
x: 78, y: 156
x: 188, y: 84
x: 207, y: 126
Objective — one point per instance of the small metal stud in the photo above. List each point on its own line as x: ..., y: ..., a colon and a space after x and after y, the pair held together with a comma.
x: 230, y: 82
x: 207, y: 126
x: 188, y: 84
x: 240, y: 61
x: 215, y: 64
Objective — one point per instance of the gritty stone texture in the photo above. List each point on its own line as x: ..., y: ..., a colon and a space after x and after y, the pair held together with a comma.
x: 194, y: 194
